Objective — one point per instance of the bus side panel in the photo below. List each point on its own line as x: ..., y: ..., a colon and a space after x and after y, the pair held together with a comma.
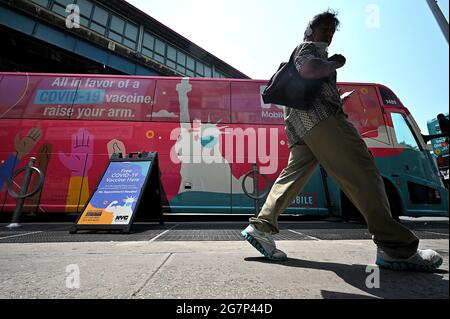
x: 31, y: 96
x: 254, y: 144
x: 196, y: 176
x: 36, y: 139
x: 126, y: 137
x: 258, y: 136
x: 193, y: 115
x: 22, y: 96
x: 63, y: 97
x: 9, y: 162
x: 66, y: 149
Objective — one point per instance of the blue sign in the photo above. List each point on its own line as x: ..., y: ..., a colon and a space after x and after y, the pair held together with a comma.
x: 116, y: 196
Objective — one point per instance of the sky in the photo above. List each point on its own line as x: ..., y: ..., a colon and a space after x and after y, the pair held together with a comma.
x: 397, y: 43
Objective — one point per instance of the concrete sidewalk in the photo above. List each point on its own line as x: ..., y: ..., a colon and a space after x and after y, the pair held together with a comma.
x: 205, y: 269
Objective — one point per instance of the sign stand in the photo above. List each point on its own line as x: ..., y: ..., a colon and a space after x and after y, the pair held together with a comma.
x: 130, y: 187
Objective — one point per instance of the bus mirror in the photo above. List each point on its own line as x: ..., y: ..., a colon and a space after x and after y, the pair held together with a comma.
x: 428, y: 138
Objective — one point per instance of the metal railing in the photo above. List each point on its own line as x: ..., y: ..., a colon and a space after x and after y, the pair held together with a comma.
x: 22, y: 195
x: 256, y: 195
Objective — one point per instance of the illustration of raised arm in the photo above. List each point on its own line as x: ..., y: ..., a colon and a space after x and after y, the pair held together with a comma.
x: 25, y: 145
x: 78, y: 162
x: 80, y: 159
x: 22, y: 147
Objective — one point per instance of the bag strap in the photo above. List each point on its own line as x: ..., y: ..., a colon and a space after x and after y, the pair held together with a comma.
x: 291, y: 59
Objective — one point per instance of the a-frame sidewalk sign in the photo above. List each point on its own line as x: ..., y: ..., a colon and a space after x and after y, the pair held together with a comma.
x: 130, y: 187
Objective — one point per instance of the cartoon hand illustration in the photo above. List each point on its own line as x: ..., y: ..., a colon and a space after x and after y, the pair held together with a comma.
x: 82, y: 147
x: 115, y: 147
x: 25, y: 145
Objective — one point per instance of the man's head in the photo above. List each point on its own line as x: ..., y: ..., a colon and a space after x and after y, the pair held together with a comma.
x: 322, y: 27
x: 441, y: 116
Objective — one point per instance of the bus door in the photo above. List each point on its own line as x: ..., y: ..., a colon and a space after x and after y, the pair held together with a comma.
x: 416, y: 174
x: 259, y: 136
x: 192, y: 116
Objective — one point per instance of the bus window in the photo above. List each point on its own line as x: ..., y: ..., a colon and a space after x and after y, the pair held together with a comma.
x: 37, y: 96
x: 403, y: 134
x: 194, y: 100
x: 13, y: 90
x: 388, y: 97
x: 247, y: 106
x: 364, y: 111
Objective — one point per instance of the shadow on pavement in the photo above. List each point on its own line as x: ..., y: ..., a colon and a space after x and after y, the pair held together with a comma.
x: 326, y: 294
x: 392, y: 284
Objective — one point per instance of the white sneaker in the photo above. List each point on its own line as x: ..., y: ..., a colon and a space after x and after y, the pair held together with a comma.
x: 264, y: 243
x: 423, y: 260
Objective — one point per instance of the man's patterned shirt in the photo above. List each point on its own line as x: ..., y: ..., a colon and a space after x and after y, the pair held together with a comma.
x: 327, y: 102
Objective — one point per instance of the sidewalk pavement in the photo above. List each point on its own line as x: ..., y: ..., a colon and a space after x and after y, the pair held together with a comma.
x: 213, y: 270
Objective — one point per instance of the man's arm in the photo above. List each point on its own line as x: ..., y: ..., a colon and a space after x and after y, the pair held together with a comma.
x: 318, y: 68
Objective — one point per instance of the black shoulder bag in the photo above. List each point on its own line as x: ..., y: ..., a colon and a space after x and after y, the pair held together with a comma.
x: 288, y: 88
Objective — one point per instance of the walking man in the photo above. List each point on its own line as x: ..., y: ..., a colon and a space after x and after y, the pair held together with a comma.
x: 323, y: 135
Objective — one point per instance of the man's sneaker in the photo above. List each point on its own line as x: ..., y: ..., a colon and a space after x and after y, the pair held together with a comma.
x: 423, y: 260
x: 264, y: 243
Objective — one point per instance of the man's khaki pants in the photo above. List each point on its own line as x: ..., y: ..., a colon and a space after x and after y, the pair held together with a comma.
x: 337, y: 146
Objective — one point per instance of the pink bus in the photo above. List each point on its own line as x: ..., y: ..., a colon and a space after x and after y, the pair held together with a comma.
x: 207, y: 132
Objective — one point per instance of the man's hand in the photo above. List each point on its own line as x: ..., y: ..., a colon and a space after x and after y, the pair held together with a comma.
x: 316, y: 68
x: 339, y: 59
